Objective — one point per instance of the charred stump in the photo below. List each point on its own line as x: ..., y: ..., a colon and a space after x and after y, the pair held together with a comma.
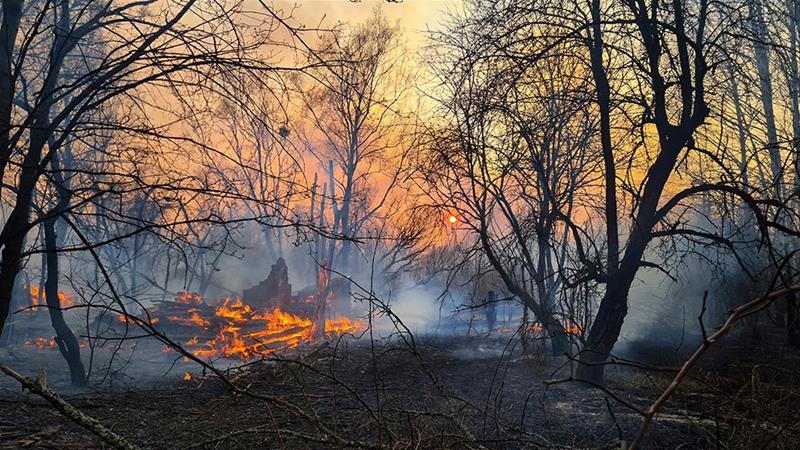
x: 317, y: 330
x: 273, y: 292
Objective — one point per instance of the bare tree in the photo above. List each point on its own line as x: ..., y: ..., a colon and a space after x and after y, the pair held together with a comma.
x: 518, y: 148
x: 651, y: 66
x: 358, y: 126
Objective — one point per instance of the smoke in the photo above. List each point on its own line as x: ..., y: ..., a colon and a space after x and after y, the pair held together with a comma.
x: 423, y: 310
x: 665, y: 311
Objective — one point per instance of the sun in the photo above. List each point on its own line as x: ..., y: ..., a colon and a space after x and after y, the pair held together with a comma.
x: 452, y: 219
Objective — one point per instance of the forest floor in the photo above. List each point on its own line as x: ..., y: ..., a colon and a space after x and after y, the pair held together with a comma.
x: 447, y: 393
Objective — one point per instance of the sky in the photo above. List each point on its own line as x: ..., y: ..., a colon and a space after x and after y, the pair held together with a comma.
x: 415, y: 16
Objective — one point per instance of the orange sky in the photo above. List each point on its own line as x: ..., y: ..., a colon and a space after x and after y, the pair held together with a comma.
x: 415, y: 16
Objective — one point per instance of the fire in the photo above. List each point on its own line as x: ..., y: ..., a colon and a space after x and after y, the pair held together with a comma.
x: 41, y: 343
x: 247, y: 333
x: 234, y: 310
x: 124, y: 319
x: 569, y: 329
x: 279, y: 329
x: 194, y: 319
x: 187, y: 377
x: 63, y: 298
x: 189, y: 298
x: 341, y: 325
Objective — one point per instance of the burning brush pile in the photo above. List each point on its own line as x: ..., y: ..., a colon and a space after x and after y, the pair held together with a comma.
x: 267, y: 318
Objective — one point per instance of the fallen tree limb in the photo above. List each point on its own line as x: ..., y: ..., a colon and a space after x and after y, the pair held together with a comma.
x: 745, y: 310
x: 39, y: 387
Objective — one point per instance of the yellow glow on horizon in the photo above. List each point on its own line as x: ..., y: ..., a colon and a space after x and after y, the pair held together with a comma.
x: 415, y: 16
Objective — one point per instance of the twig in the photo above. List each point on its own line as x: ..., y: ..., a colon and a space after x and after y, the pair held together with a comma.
x: 39, y: 387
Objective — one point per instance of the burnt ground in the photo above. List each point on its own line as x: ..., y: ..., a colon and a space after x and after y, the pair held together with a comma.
x: 448, y: 393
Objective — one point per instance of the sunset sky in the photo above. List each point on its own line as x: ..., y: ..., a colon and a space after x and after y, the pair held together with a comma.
x: 415, y: 16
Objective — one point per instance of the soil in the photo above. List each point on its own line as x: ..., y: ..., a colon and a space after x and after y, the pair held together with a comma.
x: 477, y: 392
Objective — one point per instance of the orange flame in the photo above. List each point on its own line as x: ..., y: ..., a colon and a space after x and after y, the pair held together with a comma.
x: 569, y: 329
x: 187, y: 377
x: 41, y: 343
x: 189, y: 298
x: 63, y: 298
x: 247, y: 334
x: 234, y: 309
x: 194, y: 319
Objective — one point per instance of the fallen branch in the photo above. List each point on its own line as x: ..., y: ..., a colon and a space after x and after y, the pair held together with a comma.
x: 737, y: 314
x: 39, y: 387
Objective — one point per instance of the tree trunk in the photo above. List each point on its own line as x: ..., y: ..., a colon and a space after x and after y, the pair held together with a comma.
x: 12, y: 14
x: 67, y: 342
x: 604, y: 333
x: 318, y: 325
x: 10, y: 263
x: 793, y: 320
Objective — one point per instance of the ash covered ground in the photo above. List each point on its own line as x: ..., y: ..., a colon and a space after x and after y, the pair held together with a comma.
x: 439, y: 392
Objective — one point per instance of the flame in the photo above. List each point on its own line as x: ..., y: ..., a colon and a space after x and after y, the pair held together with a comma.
x: 63, y: 298
x: 247, y: 333
x: 569, y: 329
x: 231, y: 341
x: 189, y: 298
x: 124, y: 319
x: 234, y: 310
x: 234, y: 329
x: 193, y: 319
x: 341, y: 325
x: 187, y: 377
x: 41, y: 343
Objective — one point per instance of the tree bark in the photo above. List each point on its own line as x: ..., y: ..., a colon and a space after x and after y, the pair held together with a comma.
x: 12, y: 14
x: 67, y: 342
